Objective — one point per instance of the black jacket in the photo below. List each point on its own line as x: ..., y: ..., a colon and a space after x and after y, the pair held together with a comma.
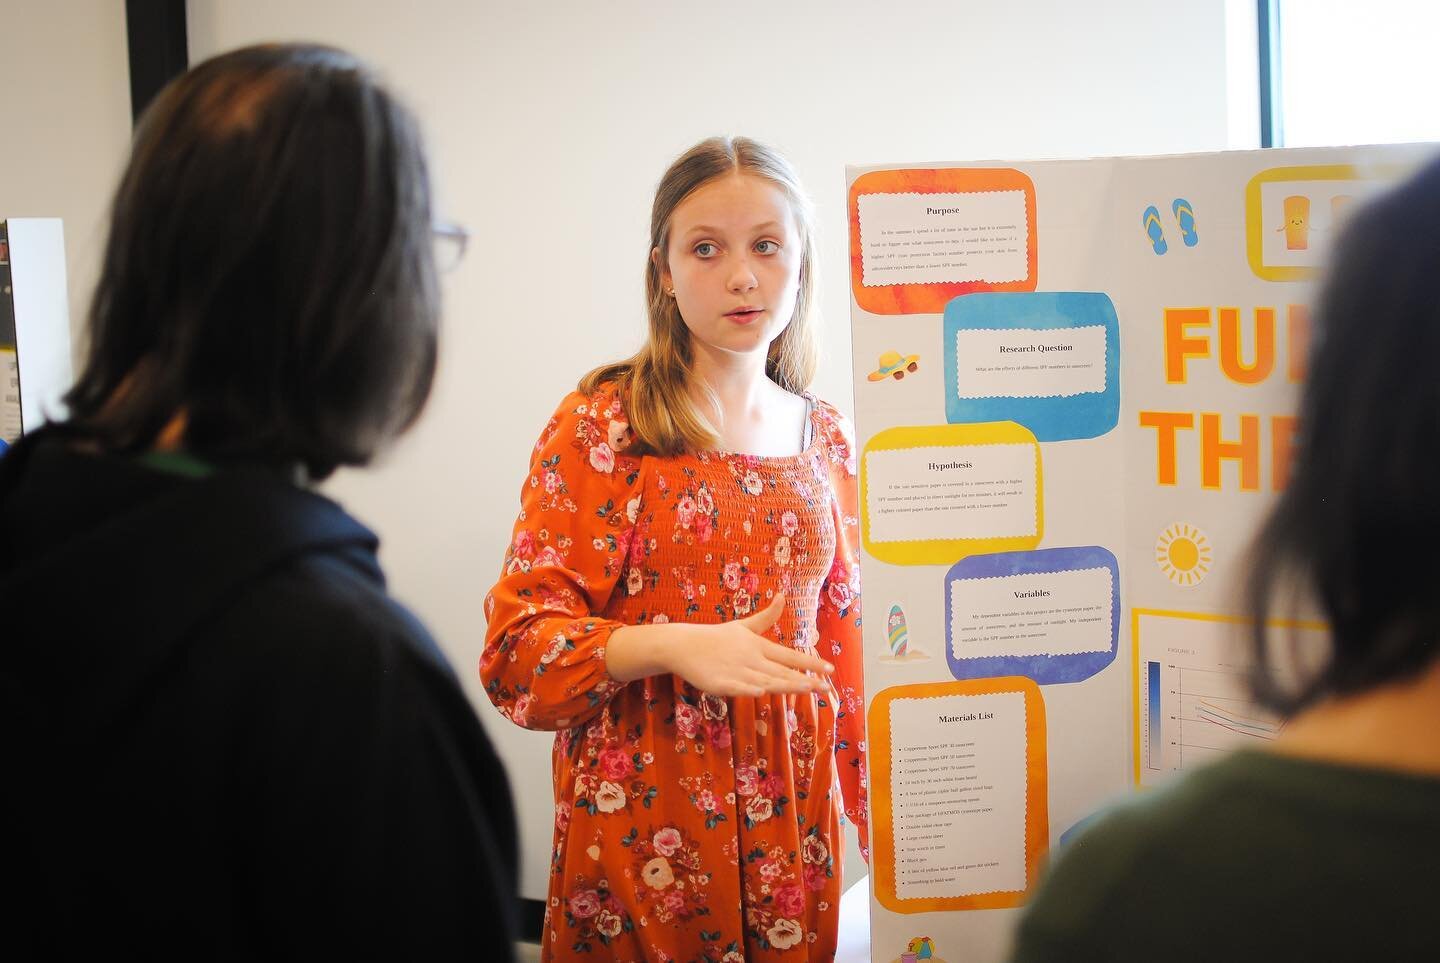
x: 220, y: 738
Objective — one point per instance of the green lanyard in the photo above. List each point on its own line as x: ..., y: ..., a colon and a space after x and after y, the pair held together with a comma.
x: 177, y: 463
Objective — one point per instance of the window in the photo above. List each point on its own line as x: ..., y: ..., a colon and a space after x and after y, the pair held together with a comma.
x: 1349, y: 72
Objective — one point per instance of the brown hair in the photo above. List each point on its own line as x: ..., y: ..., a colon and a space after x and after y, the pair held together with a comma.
x: 657, y: 383
x: 269, y: 269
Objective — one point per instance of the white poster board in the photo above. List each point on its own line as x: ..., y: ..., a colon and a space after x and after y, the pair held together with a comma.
x: 35, y: 369
x: 1075, y: 386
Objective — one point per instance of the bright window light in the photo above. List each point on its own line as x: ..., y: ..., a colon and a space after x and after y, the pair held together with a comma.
x: 1358, y: 72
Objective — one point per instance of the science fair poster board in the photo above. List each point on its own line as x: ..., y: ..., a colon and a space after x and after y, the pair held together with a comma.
x: 1075, y: 393
x: 35, y: 367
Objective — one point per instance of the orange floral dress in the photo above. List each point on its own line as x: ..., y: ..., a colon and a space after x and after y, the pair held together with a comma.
x: 687, y: 826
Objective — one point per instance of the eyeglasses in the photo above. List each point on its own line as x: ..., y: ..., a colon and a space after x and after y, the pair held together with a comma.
x: 450, y: 241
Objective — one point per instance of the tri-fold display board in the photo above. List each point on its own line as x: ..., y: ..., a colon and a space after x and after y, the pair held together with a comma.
x: 1075, y: 393
x: 35, y: 368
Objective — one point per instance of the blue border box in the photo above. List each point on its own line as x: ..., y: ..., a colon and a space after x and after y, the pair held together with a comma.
x: 1066, y: 418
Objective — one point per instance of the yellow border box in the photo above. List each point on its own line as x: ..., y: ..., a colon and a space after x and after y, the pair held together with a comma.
x: 947, y: 551
x: 1037, y: 793
x: 1255, y: 228
x: 1135, y: 615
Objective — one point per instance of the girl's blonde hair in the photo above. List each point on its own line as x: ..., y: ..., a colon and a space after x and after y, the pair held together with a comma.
x: 657, y: 384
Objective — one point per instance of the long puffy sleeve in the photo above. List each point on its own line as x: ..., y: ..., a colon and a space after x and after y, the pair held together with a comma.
x: 544, y: 659
x: 838, y: 622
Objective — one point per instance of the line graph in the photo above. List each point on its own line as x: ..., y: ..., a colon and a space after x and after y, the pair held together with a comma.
x: 1232, y: 722
x: 1196, y: 713
x: 1193, y: 694
x: 1216, y: 713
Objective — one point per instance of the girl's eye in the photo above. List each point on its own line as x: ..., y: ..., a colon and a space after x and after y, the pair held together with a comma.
x: 766, y: 247
x: 705, y: 249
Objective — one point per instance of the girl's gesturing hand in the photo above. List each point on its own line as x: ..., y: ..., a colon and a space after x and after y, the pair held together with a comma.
x: 736, y: 659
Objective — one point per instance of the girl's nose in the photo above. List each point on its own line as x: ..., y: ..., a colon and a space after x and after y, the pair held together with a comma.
x: 742, y: 278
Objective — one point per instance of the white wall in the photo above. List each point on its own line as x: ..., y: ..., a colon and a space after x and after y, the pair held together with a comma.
x: 64, y: 123
x: 1242, y: 69
x: 549, y: 125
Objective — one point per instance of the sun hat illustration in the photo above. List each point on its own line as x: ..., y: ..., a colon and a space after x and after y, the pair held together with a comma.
x: 1185, y: 217
x: 1296, y: 223
x: 1154, y: 230
x: 893, y: 364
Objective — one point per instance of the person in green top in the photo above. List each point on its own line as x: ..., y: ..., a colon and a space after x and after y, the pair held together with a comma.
x: 1326, y: 846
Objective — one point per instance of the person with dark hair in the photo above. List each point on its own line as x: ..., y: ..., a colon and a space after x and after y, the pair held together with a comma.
x: 222, y: 739
x: 1325, y: 846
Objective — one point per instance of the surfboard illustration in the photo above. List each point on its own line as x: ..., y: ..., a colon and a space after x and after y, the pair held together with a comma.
x: 897, y: 630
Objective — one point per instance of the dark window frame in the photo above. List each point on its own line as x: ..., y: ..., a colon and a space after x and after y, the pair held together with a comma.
x: 1267, y: 20
x: 155, y: 32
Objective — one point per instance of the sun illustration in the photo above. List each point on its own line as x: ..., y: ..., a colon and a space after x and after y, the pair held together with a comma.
x: 1183, y: 554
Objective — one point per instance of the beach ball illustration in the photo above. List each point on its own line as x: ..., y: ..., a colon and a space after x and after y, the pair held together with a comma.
x: 922, y: 946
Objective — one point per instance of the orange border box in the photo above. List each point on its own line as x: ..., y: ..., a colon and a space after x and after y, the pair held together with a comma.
x: 932, y: 298
x: 1037, y: 793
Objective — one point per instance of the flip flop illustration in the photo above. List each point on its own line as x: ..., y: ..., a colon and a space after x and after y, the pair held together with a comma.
x: 1185, y: 215
x: 1154, y: 230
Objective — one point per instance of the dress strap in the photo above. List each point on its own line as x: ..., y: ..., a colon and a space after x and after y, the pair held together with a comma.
x: 808, y: 432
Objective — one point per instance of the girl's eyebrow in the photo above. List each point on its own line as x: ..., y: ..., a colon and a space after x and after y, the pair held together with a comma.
x: 707, y: 229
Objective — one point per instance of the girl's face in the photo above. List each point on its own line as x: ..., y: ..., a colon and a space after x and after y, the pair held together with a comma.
x: 733, y: 261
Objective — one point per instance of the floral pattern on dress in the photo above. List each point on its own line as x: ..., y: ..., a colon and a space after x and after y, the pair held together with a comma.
x: 688, y: 826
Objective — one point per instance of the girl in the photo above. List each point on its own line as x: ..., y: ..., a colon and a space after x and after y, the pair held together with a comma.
x: 681, y: 600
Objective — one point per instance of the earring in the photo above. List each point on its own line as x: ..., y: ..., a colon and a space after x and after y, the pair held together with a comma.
x: 670, y: 292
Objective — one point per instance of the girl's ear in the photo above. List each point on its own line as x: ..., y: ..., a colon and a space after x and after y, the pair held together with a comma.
x: 662, y: 269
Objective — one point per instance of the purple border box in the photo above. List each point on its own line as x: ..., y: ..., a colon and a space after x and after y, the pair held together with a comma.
x: 1044, y: 669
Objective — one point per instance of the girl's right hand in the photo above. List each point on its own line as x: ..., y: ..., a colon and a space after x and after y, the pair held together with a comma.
x: 735, y: 658
x: 731, y: 659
